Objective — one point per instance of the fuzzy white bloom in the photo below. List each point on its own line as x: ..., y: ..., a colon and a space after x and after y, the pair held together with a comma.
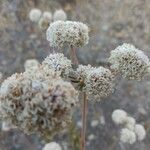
x: 127, y: 136
x: 140, y: 132
x: 59, y: 63
x: 35, y: 14
x: 71, y: 33
x: 45, y: 20
x: 31, y: 64
x: 130, y: 123
x: 59, y: 15
x: 119, y: 116
x: 38, y: 101
x: 129, y: 61
x: 99, y: 83
x: 52, y: 146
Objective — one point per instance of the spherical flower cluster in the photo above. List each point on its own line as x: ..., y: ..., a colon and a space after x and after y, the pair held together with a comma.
x: 71, y: 33
x: 99, y: 82
x: 35, y: 14
x: 129, y: 61
x: 59, y: 63
x: 132, y: 131
x: 38, y: 102
x: 127, y: 136
x: 52, y: 146
x: 119, y: 116
x: 31, y: 64
x: 59, y: 15
x: 45, y: 20
x: 140, y: 132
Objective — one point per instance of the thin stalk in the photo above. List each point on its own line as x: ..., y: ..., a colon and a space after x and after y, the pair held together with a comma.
x: 73, y: 56
x: 84, y: 121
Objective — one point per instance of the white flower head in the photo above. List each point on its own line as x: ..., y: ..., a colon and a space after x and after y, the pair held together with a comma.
x: 38, y: 102
x: 130, y: 123
x: 140, y: 132
x: 99, y: 82
x: 31, y: 64
x: 59, y: 63
x: 71, y: 33
x: 59, y: 15
x: 35, y: 14
x: 52, y: 146
x: 127, y: 136
x: 119, y: 116
x: 129, y: 61
x: 47, y: 15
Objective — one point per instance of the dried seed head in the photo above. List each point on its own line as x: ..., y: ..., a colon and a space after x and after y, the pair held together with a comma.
x: 59, y: 63
x: 35, y: 14
x: 38, y: 102
x: 71, y: 33
x: 99, y: 83
x: 129, y: 61
x: 59, y: 15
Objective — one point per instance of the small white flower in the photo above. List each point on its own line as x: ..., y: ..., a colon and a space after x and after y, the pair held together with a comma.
x: 91, y: 137
x: 130, y: 123
x: 94, y: 123
x: 127, y: 136
x: 47, y: 15
x: 119, y: 116
x: 35, y: 14
x: 59, y: 15
x: 140, y: 132
x: 129, y: 61
x: 71, y: 33
x: 52, y: 146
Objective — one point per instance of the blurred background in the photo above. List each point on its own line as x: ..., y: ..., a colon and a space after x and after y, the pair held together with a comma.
x: 111, y: 23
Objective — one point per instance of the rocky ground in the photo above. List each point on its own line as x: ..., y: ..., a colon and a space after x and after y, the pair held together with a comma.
x: 111, y: 23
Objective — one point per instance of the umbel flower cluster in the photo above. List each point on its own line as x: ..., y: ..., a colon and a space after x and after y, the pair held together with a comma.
x: 42, y: 99
x: 131, y: 131
x: 44, y: 19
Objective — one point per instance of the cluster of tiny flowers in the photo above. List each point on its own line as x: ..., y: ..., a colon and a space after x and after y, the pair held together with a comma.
x: 52, y: 146
x: 98, y: 81
x: 71, y: 33
x: 38, y: 102
x: 59, y: 63
x: 45, y: 18
x: 59, y: 15
x: 31, y: 64
x: 35, y: 14
x: 129, y: 61
x: 131, y: 131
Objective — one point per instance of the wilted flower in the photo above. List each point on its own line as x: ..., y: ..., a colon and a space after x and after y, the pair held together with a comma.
x: 59, y: 15
x: 59, y: 63
x: 71, y: 33
x: 129, y: 61
x: 38, y: 102
x: 35, y: 14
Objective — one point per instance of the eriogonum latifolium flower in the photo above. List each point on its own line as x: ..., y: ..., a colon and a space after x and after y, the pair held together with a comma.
x: 35, y: 14
x: 38, y: 102
x: 59, y: 15
x: 71, y: 33
x: 129, y: 61
x: 59, y: 63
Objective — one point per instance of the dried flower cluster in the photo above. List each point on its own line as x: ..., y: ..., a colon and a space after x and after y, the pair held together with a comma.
x: 131, y: 131
x: 71, y: 33
x: 98, y: 81
x: 59, y: 63
x: 38, y: 102
x: 129, y: 61
x: 45, y: 18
